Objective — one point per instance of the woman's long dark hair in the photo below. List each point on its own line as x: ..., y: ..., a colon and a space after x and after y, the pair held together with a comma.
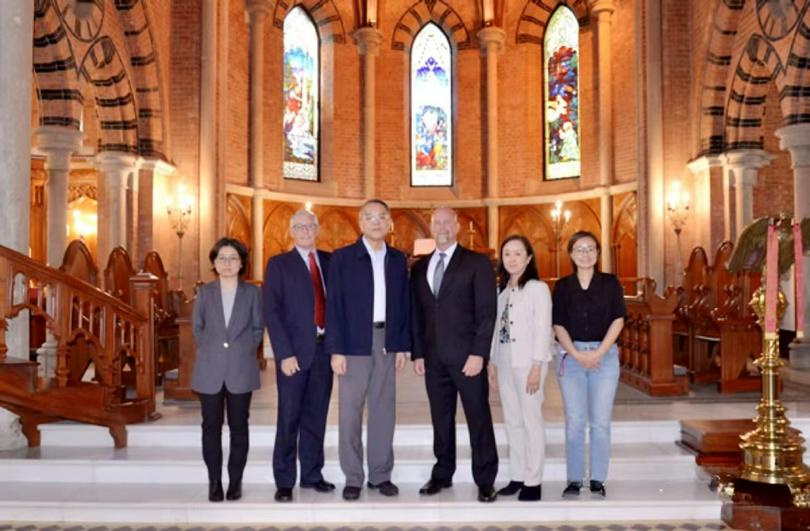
x: 531, y: 268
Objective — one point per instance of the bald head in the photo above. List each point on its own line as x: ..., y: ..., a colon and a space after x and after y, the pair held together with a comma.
x: 444, y: 227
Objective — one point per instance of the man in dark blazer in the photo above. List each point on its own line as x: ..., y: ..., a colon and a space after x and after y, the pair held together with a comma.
x: 295, y: 314
x: 369, y: 332
x: 454, y: 307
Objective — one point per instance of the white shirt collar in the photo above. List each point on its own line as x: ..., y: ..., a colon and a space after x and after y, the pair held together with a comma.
x: 371, y: 250
x: 448, y: 253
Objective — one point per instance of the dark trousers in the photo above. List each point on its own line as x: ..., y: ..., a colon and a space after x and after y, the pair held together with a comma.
x: 303, y: 402
x: 213, y: 412
x: 444, y: 384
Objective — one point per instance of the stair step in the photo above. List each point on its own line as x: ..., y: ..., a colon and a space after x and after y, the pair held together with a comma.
x: 186, y: 503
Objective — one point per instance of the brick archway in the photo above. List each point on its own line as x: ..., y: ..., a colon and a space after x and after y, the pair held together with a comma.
x: 533, y: 19
x: 438, y: 12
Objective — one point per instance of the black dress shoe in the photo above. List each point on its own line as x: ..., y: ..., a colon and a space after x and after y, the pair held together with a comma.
x: 283, y: 495
x: 386, y: 488
x: 487, y: 494
x: 530, y: 493
x: 234, y: 490
x: 434, y: 486
x: 319, y: 486
x: 215, y: 493
x: 511, y: 489
x: 351, y: 493
x: 572, y: 489
x: 598, y: 487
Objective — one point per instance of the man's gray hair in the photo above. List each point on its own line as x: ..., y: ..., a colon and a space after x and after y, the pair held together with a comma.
x: 302, y: 212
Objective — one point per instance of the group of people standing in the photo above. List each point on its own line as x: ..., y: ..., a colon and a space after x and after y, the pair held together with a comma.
x: 358, y: 314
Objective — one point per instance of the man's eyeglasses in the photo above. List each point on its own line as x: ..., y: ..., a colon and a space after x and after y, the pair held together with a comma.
x: 304, y: 226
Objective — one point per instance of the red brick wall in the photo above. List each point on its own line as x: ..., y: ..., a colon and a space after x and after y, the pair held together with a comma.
x: 774, y: 190
x: 625, y: 92
x: 238, y: 102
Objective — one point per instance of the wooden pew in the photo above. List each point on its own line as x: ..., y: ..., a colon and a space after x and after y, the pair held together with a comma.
x: 693, y: 278
x: 645, y: 345
x: 167, y: 334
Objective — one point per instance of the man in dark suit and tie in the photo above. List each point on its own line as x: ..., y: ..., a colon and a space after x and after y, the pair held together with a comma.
x: 454, y: 307
x: 295, y: 315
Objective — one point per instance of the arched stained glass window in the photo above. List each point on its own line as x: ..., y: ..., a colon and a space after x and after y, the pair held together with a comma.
x: 561, y: 60
x: 301, y: 96
x: 431, y: 108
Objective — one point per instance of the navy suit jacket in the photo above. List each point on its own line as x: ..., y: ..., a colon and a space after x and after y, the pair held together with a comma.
x: 289, y: 305
x: 461, y: 320
x: 350, y: 305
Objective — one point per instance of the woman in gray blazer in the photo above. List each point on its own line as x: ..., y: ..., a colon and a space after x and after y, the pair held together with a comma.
x: 228, y: 329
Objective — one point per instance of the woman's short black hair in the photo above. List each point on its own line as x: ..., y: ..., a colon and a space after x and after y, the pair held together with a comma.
x: 578, y: 235
x: 531, y: 268
x: 240, y: 247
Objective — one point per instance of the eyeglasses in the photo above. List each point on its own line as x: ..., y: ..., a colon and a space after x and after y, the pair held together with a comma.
x: 302, y: 227
x: 227, y: 259
x: 584, y: 250
x: 375, y: 217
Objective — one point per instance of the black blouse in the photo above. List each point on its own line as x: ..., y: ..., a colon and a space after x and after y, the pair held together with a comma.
x: 586, y: 314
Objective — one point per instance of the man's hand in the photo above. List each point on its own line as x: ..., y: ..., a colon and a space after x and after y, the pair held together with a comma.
x: 419, y: 367
x: 533, y: 381
x: 289, y: 366
x: 338, y: 362
x: 402, y: 359
x: 473, y: 366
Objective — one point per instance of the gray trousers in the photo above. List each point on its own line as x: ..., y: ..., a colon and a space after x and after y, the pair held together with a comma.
x: 369, y: 379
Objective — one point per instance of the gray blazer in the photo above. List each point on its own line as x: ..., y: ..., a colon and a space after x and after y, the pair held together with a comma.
x: 227, y: 355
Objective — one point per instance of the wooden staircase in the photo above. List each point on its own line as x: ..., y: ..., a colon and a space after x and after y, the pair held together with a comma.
x: 87, y: 327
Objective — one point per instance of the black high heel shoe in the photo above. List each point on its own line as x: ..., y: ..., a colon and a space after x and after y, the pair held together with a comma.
x: 215, y: 493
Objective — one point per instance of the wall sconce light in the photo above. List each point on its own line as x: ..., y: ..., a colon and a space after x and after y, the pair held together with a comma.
x: 678, y: 209
x: 179, y: 212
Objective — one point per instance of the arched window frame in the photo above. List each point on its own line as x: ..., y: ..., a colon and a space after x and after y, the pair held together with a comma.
x: 287, y: 168
x: 563, y: 169
x: 448, y: 181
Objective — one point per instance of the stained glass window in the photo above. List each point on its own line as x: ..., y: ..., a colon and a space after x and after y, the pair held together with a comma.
x: 301, y: 96
x: 561, y: 59
x: 431, y: 108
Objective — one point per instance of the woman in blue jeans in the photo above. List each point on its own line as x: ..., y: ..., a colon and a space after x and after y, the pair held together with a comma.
x: 588, y: 314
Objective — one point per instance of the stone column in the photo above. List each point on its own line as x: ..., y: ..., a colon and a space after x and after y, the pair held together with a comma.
x: 114, y: 170
x: 796, y: 139
x: 742, y: 165
x: 208, y: 200
x: 153, y: 177
x: 368, y: 41
x: 16, y: 58
x: 492, y: 39
x: 602, y: 11
x: 257, y: 10
x: 706, y: 169
x: 57, y: 144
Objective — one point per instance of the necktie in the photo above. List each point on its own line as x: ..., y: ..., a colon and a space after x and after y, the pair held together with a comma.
x: 438, y: 275
x: 317, y: 287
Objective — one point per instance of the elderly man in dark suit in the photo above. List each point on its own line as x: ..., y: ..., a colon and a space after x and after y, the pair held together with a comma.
x: 368, y: 312
x: 295, y: 314
x: 454, y: 307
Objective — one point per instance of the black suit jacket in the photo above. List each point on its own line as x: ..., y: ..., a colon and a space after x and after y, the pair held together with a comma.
x: 461, y: 321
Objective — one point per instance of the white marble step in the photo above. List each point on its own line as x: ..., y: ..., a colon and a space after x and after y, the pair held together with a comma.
x: 162, y: 434
x: 629, y: 461
x: 186, y: 503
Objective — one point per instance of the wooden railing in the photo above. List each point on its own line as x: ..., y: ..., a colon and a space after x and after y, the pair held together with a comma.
x: 645, y: 345
x: 88, y: 326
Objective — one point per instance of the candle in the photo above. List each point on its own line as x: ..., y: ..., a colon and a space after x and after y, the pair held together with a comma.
x: 771, y: 281
x: 798, y: 282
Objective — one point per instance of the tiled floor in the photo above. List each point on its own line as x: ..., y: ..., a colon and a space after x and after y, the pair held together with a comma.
x: 599, y: 526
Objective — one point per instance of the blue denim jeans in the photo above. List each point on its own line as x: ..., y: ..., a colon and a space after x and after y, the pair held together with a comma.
x: 588, y: 392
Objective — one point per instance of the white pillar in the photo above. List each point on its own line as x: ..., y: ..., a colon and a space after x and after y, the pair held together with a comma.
x: 257, y: 10
x: 57, y: 144
x: 492, y: 39
x: 602, y: 11
x: 114, y: 169
x: 368, y: 41
x: 16, y: 58
x: 208, y: 201
x: 704, y: 202
x: 796, y: 139
x: 743, y: 165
